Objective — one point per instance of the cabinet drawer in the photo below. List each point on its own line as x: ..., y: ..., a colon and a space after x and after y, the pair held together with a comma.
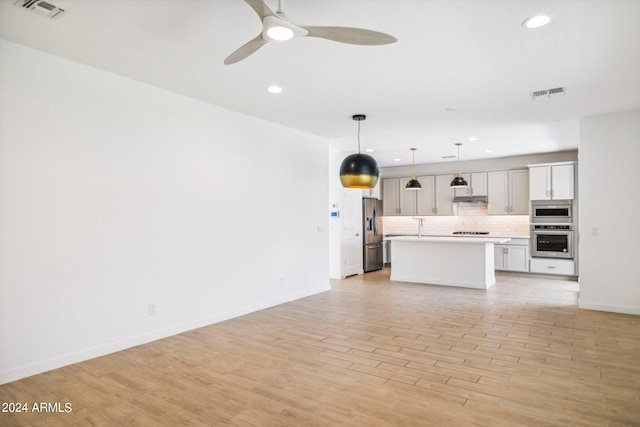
x: 517, y: 241
x: 553, y: 266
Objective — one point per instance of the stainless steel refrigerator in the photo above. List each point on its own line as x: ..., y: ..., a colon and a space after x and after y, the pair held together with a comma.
x: 372, y: 234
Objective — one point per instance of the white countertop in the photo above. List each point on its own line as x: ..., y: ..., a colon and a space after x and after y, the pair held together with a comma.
x: 450, y: 239
x: 475, y: 236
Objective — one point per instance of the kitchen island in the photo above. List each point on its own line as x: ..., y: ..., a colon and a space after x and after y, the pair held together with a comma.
x: 449, y: 261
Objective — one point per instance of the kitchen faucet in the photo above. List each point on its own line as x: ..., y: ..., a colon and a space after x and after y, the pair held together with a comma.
x: 420, y: 224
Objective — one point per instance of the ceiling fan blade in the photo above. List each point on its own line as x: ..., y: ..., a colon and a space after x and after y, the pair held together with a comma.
x: 245, y: 50
x: 350, y: 35
x: 261, y: 8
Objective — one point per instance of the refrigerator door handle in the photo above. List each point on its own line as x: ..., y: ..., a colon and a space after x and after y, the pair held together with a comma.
x: 375, y: 221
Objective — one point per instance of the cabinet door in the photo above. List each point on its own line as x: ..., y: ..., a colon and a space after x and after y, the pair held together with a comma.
x: 464, y: 191
x: 390, y: 201
x: 566, y: 267
x: 498, y: 193
x: 444, y: 195
x: 518, y: 192
x: 407, y: 198
x: 478, y: 184
x: 539, y: 183
x: 499, y: 257
x: 518, y: 258
x: 562, y: 182
x: 426, y: 196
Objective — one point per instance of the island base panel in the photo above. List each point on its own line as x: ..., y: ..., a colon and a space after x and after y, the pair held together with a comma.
x: 442, y: 263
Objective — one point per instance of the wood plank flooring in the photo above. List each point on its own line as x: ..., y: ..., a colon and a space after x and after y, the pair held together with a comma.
x: 370, y: 352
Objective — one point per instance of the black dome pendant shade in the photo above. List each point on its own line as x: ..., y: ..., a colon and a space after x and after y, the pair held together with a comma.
x: 458, y: 181
x: 359, y: 170
x: 413, y: 184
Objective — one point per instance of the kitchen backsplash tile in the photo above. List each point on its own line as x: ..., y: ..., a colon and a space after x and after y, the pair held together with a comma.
x: 469, y: 217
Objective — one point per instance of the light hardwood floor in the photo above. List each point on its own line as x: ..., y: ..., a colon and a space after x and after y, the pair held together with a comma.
x: 368, y: 353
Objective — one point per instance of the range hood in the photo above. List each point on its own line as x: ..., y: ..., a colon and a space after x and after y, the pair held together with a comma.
x: 470, y: 199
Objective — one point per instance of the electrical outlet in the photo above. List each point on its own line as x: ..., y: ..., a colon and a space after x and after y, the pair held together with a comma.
x: 152, y: 310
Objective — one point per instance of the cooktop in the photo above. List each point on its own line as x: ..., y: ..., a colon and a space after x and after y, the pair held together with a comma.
x: 471, y: 232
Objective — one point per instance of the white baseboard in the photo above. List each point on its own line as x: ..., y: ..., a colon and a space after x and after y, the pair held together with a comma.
x: 102, y: 350
x: 610, y: 308
x: 443, y: 282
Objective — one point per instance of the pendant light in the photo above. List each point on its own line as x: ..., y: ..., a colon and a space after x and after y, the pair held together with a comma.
x: 413, y: 184
x: 458, y: 181
x: 359, y: 170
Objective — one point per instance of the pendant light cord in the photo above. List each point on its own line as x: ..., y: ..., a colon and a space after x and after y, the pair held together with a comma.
x: 413, y: 163
x: 358, y: 136
x: 359, y: 118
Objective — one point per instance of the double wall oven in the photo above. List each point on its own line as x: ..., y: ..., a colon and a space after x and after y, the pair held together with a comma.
x: 552, y: 229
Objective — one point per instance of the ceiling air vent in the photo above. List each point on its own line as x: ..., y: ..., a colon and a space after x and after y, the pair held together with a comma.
x: 41, y: 7
x: 547, y: 92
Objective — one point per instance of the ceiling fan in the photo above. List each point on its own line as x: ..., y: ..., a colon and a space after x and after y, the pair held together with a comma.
x: 276, y: 26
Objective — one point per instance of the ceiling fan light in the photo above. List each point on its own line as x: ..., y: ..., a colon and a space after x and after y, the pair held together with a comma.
x: 536, y: 21
x: 279, y: 33
x: 359, y: 171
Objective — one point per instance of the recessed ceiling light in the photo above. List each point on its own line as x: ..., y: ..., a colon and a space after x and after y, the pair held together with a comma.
x: 369, y: 150
x: 473, y: 138
x: 274, y: 89
x: 396, y: 160
x: 488, y: 150
x: 536, y: 21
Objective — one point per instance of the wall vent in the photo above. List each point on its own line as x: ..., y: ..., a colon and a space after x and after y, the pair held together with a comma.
x: 42, y: 8
x: 547, y: 92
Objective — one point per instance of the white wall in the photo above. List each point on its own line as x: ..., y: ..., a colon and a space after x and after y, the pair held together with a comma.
x: 115, y: 194
x: 335, y: 223
x: 609, y: 207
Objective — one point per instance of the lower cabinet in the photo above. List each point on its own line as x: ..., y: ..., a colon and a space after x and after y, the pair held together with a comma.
x: 566, y: 267
x: 512, y: 256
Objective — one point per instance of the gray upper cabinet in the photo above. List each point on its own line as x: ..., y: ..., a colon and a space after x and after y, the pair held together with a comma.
x: 426, y: 196
x: 477, y: 185
x: 435, y: 197
x: 390, y: 197
x: 443, y: 195
x: 508, y: 192
x: 396, y: 200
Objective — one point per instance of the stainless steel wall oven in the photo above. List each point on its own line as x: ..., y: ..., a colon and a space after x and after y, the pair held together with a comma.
x: 552, y: 241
